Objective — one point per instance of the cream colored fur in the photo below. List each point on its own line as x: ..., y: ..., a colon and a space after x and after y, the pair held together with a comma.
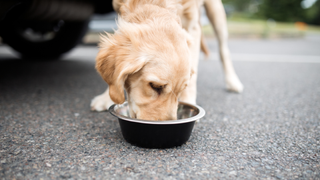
x: 154, y: 54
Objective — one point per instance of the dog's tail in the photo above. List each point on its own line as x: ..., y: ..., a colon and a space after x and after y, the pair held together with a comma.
x: 204, y: 47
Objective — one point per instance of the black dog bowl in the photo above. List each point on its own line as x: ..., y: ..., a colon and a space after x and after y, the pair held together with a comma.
x: 158, y: 134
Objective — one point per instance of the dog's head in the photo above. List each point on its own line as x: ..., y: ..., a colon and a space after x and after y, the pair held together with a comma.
x: 150, y: 62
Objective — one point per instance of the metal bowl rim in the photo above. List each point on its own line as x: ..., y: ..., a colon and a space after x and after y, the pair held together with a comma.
x: 180, y: 121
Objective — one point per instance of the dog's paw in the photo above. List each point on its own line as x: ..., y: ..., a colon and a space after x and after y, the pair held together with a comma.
x: 101, y: 102
x: 233, y: 84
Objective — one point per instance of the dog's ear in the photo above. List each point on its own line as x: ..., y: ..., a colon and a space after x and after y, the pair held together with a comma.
x: 115, y: 61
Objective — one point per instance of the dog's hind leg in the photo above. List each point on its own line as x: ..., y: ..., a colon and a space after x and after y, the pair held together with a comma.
x: 101, y: 102
x: 217, y: 17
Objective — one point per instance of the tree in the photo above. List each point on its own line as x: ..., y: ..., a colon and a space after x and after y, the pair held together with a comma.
x: 313, y: 14
x: 282, y: 10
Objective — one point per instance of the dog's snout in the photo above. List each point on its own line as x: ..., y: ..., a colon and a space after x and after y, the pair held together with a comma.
x: 156, y: 114
x: 154, y: 111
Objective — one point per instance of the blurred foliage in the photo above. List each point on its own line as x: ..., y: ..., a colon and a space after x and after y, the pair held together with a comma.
x: 313, y: 14
x: 239, y: 5
x: 279, y: 10
x: 282, y: 10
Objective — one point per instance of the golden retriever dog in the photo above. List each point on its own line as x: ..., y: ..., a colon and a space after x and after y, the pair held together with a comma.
x: 154, y: 54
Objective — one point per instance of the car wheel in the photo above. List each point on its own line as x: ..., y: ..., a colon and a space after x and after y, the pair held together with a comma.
x: 43, y: 39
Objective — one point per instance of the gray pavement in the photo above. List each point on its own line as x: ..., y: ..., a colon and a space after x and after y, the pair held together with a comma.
x: 270, y: 131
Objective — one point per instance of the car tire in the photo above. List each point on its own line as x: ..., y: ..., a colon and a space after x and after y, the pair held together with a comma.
x: 66, y: 38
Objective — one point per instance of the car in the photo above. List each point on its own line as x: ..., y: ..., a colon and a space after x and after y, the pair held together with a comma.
x: 47, y: 28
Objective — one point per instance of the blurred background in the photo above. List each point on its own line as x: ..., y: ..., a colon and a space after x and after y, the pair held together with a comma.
x: 271, y: 19
x: 254, y: 19
x: 44, y: 26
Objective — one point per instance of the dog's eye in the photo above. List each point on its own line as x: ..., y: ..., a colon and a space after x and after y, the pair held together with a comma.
x: 157, y: 88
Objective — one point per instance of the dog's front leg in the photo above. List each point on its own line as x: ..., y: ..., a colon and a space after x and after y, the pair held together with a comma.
x: 101, y: 102
x: 217, y: 17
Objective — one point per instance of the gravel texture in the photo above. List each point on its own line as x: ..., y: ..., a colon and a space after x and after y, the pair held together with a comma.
x: 270, y: 131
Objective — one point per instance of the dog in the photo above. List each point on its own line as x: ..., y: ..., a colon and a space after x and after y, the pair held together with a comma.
x: 154, y: 54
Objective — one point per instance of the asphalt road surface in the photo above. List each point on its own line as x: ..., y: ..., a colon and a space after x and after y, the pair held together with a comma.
x: 270, y: 131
